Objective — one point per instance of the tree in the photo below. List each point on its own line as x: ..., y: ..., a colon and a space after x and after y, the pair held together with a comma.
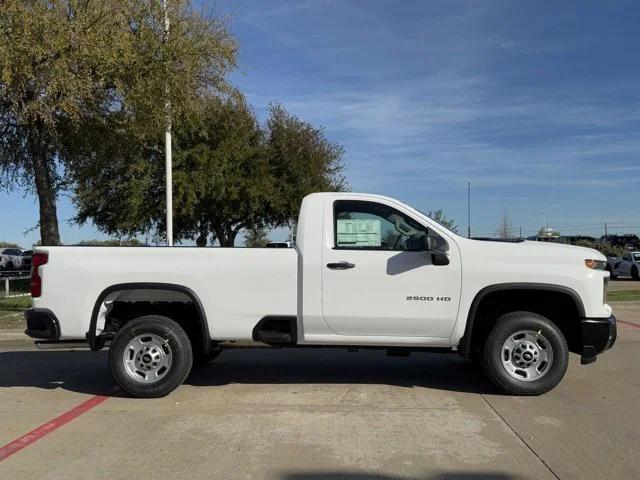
x: 505, y: 229
x: 548, y: 232
x: 256, y: 237
x: 222, y: 181
x: 230, y: 173
x: 604, y: 248
x: 131, y: 242
x: 73, y: 72
x: 301, y: 161
x: 440, y: 217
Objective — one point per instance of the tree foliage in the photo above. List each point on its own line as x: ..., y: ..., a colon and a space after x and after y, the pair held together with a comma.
x: 301, y: 161
x: 130, y: 242
x: 604, y: 248
x: 256, y: 237
x: 441, y: 218
x: 230, y: 173
x: 505, y: 228
x: 222, y: 181
x: 4, y: 244
x: 547, y: 232
x: 76, y: 73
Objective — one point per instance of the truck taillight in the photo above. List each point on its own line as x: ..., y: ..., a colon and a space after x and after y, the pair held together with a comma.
x: 37, y: 260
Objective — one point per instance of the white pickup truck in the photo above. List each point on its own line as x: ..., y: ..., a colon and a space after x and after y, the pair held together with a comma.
x: 367, y: 272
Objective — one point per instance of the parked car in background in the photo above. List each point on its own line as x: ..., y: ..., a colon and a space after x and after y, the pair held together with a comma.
x: 10, y: 258
x: 628, y: 265
x: 26, y: 260
x: 629, y: 240
x: 279, y: 244
x: 539, y: 238
x: 575, y: 239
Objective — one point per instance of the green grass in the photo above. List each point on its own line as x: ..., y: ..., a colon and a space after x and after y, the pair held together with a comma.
x: 623, y: 296
x: 15, y: 304
x: 11, y: 311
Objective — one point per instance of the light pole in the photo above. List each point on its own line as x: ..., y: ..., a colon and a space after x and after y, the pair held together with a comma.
x: 469, y: 209
x: 167, y: 144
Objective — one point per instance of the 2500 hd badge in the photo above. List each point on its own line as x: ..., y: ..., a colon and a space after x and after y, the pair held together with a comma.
x: 429, y: 299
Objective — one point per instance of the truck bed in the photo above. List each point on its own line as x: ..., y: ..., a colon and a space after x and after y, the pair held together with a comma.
x: 236, y: 286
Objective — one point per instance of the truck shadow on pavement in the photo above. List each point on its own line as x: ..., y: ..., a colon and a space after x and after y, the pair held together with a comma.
x: 87, y: 372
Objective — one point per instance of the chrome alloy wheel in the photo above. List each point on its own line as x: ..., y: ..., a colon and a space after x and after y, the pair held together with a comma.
x: 147, y: 358
x: 527, y: 355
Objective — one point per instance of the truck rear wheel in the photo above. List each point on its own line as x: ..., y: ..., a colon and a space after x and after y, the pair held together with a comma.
x: 525, y: 354
x: 150, y: 356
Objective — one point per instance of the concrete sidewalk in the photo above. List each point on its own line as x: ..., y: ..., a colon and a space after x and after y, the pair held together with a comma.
x: 13, y: 335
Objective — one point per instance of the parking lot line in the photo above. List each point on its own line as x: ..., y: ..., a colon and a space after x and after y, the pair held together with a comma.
x: 36, y: 434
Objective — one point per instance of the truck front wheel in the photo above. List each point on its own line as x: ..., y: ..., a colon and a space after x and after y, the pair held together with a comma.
x: 525, y: 354
x: 150, y: 356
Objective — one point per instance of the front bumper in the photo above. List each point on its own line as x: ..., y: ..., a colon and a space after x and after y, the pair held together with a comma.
x: 42, y: 324
x: 598, y: 335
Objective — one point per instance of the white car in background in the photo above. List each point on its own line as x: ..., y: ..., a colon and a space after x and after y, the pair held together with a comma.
x: 628, y: 265
x: 10, y: 258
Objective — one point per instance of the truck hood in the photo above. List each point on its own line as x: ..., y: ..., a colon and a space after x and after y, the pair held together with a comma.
x: 563, y: 249
x: 530, y: 251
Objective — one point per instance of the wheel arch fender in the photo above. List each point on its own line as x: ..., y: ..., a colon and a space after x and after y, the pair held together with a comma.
x: 96, y: 343
x: 465, y: 342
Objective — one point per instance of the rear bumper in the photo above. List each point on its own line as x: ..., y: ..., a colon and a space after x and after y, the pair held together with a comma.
x: 42, y: 324
x: 598, y: 335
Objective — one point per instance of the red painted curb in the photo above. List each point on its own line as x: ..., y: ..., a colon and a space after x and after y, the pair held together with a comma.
x: 631, y: 324
x: 45, y: 429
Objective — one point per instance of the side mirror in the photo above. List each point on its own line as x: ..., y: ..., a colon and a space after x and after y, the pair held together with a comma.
x: 418, y: 243
x: 426, y: 243
x: 437, y: 245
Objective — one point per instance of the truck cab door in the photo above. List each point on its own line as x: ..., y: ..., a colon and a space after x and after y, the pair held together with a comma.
x: 377, y: 281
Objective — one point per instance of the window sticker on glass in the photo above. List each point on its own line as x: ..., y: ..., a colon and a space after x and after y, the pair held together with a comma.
x: 359, y: 233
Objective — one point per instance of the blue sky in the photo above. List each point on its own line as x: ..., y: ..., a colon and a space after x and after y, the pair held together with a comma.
x: 536, y: 103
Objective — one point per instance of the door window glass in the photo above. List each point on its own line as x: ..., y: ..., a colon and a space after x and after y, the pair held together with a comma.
x: 362, y: 225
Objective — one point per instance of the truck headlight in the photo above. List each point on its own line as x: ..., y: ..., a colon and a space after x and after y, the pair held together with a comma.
x: 595, y: 264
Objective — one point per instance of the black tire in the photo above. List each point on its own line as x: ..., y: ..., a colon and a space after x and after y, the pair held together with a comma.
x: 510, y: 324
x: 10, y: 266
x: 634, y: 273
x: 612, y: 275
x: 180, y: 352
